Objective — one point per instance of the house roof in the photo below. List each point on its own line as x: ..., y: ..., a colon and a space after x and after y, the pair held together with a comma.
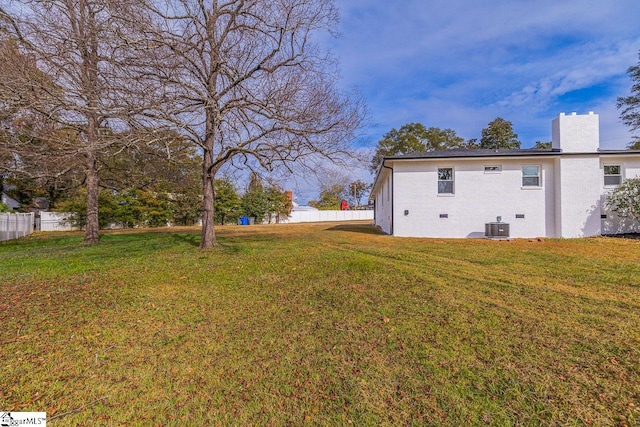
x: 41, y: 203
x: 475, y: 153
x: 12, y: 203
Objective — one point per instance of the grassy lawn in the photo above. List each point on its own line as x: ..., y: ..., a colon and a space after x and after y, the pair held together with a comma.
x: 322, y: 325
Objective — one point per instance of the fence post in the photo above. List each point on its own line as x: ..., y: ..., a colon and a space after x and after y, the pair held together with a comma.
x: 13, y: 222
x: 4, y: 226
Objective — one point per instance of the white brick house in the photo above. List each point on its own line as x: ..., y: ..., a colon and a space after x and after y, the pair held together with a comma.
x: 539, y: 193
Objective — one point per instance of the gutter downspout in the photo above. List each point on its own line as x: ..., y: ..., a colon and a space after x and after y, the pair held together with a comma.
x: 392, y: 196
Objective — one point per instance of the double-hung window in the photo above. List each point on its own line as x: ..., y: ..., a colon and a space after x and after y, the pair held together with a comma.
x: 531, y: 176
x: 445, y: 180
x: 612, y: 175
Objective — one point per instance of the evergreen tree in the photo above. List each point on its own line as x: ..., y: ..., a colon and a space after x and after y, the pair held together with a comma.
x: 279, y: 203
x: 630, y: 105
x: 499, y: 135
x: 414, y: 138
x: 254, y: 202
x: 228, y: 204
x: 542, y: 145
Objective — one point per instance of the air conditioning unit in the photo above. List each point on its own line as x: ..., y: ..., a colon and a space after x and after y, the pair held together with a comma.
x: 496, y: 229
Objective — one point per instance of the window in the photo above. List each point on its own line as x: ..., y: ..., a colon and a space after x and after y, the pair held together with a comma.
x: 612, y: 175
x: 492, y: 169
x: 389, y: 189
x: 445, y: 180
x: 531, y: 176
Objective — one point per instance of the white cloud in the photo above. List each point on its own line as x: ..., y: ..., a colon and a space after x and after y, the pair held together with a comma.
x: 571, y: 70
x: 460, y: 64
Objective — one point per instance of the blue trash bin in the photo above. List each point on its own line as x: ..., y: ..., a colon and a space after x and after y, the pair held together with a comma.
x: 244, y: 220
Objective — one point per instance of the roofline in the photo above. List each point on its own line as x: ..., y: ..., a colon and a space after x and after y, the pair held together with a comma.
x: 617, y: 152
x: 381, y: 166
x: 516, y: 154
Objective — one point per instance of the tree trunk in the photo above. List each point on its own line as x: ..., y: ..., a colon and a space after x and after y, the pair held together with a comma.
x: 208, y: 233
x: 91, y: 234
x: 90, y: 88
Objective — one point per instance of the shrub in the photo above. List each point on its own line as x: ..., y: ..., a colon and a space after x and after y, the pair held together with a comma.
x: 625, y: 199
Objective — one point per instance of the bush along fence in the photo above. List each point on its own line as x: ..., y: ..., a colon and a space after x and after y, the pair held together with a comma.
x: 14, y: 226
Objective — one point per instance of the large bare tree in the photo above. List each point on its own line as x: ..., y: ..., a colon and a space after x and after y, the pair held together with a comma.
x: 81, y: 88
x: 243, y: 80
x: 27, y: 137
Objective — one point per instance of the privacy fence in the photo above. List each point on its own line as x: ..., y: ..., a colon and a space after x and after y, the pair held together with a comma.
x: 56, y: 221
x: 322, y: 216
x: 14, y: 226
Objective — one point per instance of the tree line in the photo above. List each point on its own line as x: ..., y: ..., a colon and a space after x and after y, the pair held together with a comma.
x: 417, y: 138
x: 142, y: 208
x: 146, y: 189
x: 240, y: 84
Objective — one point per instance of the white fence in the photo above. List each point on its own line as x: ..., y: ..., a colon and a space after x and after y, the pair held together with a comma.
x: 56, y: 221
x: 322, y: 216
x: 14, y: 226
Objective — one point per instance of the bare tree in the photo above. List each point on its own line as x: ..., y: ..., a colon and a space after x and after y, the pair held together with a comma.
x: 357, y: 189
x: 80, y: 89
x: 244, y: 81
x: 27, y: 138
x: 334, y: 187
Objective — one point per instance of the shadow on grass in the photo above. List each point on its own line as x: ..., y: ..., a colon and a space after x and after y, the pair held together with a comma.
x: 357, y: 228
x: 194, y: 240
x: 624, y: 236
x: 191, y: 239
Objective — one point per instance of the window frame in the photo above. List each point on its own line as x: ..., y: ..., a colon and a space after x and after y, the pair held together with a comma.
x: 452, y: 181
x: 389, y: 188
x: 538, y: 176
x: 619, y: 175
x: 488, y: 170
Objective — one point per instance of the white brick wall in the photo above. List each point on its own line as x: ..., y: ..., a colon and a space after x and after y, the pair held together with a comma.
x: 478, y: 198
x: 580, y: 188
x: 576, y: 133
x: 384, y: 202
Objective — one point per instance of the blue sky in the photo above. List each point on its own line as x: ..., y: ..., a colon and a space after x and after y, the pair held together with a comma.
x: 460, y: 64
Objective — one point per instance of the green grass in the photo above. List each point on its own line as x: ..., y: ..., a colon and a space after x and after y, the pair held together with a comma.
x: 321, y: 325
